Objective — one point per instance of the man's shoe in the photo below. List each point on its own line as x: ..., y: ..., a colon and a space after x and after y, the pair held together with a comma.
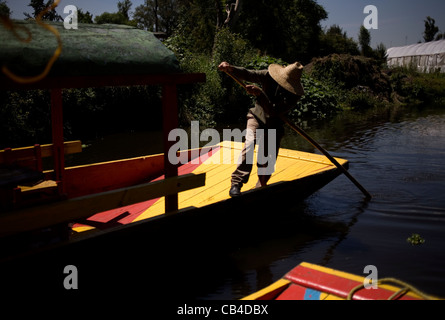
x: 235, y: 191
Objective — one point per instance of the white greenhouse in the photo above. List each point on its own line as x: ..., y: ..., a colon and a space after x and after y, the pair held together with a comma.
x: 427, y: 57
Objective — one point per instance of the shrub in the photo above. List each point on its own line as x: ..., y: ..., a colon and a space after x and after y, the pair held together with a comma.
x: 416, y: 87
x: 219, y: 99
x: 259, y: 62
x: 25, y: 118
x: 349, y: 72
x: 319, y: 100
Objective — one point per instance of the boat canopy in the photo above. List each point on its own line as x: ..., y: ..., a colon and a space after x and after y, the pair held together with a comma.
x: 426, y: 57
x: 90, y: 50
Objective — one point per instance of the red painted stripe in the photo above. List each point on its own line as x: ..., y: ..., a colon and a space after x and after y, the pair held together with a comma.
x: 101, y: 219
x: 336, y: 285
x: 293, y: 292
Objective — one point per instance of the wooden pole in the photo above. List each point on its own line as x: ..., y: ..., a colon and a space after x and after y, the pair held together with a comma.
x: 57, y: 137
x: 332, y: 159
x: 170, y: 122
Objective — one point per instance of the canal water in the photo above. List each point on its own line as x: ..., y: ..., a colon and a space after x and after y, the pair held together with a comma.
x: 397, y: 155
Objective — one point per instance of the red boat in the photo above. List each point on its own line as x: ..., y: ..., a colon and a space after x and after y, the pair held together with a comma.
x: 313, y: 282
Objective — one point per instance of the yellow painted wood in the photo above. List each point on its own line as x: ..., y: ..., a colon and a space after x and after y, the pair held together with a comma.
x: 27, y: 153
x: 326, y: 296
x: 43, y: 185
x: 219, y: 166
x: 83, y: 207
x: 278, y: 285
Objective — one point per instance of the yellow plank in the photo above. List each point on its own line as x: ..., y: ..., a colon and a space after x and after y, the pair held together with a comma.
x: 276, y: 286
x: 27, y: 153
x: 220, y: 165
x: 214, y: 176
x: 299, y: 170
x: 215, y: 191
x: 290, y: 172
x: 325, y: 296
x: 212, y: 168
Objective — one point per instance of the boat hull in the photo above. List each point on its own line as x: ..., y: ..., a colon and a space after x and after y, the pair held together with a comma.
x: 207, y: 222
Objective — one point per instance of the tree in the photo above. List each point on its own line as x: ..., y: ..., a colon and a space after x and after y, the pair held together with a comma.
x: 124, y: 8
x: 380, y: 53
x: 4, y: 9
x: 39, y: 6
x: 120, y: 17
x: 194, y: 29
x: 145, y: 16
x: 113, y: 18
x: 231, y: 9
x: 158, y: 15
x: 84, y: 17
x: 335, y: 40
x: 430, y: 29
x: 364, y: 39
x: 287, y: 29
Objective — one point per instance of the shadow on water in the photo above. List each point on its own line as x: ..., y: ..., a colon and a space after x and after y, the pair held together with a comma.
x: 186, y: 261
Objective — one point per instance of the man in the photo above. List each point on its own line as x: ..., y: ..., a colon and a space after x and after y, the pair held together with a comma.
x: 278, y: 92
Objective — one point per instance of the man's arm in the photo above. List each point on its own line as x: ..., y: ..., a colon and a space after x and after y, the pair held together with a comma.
x: 250, y: 76
x: 254, y: 76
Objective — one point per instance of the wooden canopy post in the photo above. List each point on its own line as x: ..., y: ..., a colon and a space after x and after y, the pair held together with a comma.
x: 170, y: 122
x: 57, y: 136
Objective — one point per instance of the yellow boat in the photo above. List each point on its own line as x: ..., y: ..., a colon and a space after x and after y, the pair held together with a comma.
x: 126, y: 191
x: 298, y: 174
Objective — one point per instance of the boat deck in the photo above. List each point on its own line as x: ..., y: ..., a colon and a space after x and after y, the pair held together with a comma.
x: 218, y: 165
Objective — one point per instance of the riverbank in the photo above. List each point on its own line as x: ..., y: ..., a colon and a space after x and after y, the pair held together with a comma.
x: 358, y: 82
x: 332, y: 85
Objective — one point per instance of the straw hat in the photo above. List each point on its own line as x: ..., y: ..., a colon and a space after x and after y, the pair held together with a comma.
x: 288, y: 77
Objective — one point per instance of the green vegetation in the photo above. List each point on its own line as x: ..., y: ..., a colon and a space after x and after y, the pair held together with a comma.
x: 339, y: 72
x: 415, y: 239
x: 412, y: 87
x: 25, y: 116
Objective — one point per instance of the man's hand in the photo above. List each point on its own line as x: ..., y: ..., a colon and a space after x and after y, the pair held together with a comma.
x: 253, y: 90
x: 225, y: 66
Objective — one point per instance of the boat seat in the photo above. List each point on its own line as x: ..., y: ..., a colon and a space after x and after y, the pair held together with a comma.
x: 22, y: 179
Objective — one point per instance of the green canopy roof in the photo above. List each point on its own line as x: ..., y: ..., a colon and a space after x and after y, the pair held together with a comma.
x: 89, y: 50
